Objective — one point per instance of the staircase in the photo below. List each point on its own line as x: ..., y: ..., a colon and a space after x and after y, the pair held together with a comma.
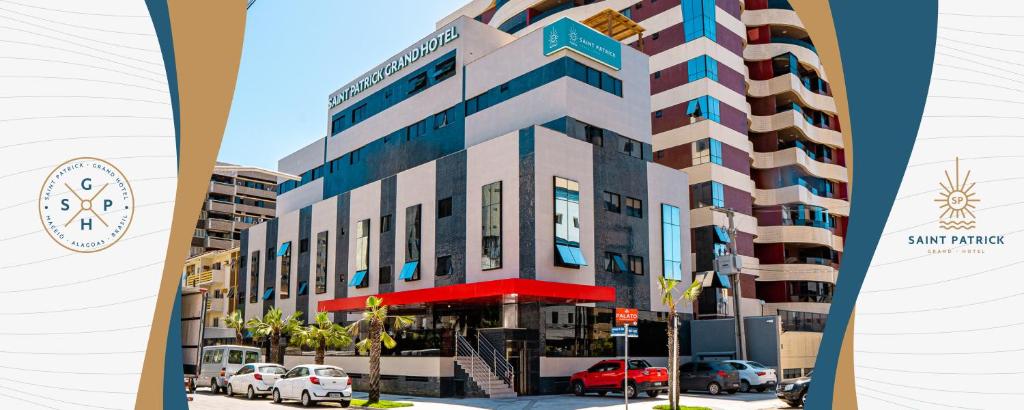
x: 486, y: 366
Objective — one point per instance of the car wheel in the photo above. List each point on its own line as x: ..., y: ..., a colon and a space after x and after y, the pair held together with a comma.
x: 214, y: 387
x: 277, y: 396
x: 652, y: 393
x: 744, y: 386
x: 306, y: 400
x: 602, y: 393
x: 192, y: 386
x: 577, y: 389
x: 714, y: 388
x: 803, y: 400
x: 231, y: 390
x: 345, y: 404
x: 250, y: 394
x: 632, y: 391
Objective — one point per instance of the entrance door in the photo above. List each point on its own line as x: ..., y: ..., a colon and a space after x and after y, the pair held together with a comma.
x: 515, y: 352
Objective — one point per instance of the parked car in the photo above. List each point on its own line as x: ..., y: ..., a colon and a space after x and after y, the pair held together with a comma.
x: 754, y: 375
x: 313, y: 383
x: 606, y: 376
x: 713, y: 377
x: 794, y: 391
x: 219, y: 362
x: 255, y: 379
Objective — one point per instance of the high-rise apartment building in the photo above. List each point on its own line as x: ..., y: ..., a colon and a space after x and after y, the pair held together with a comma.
x: 239, y: 197
x: 741, y: 102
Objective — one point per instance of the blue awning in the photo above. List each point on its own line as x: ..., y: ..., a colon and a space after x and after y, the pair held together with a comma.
x: 284, y: 248
x: 723, y: 279
x: 578, y: 255
x: 357, y: 279
x: 268, y: 294
x: 565, y: 254
x: 408, y: 270
x: 722, y: 234
x: 620, y: 263
x: 302, y: 288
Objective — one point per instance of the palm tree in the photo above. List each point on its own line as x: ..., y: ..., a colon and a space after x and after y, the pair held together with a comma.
x: 377, y: 318
x: 320, y: 335
x: 236, y: 322
x: 273, y: 326
x: 669, y: 298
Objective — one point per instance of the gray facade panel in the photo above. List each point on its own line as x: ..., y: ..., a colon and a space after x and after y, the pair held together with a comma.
x: 341, y: 251
x: 242, y: 287
x: 450, y: 231
x: 302, y: 296
x: 270, y: 269
x: 527, y: 205
x: 388, y: 201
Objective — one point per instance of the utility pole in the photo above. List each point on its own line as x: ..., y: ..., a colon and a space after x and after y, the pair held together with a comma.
x: 741, y: 348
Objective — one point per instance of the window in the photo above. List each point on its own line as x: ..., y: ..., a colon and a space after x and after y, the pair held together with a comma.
x: 417, y: 83
x: 385, y: 223
x: 658, y: 114
x: 655, y: 36
x: 612, y: 202
x: 441, y: 119
x: 671, y: 243
x: 711, y: 193
x: 490, y: 218
x: 384, y: 276
x: 567, y: 223
x: 234, y: 357
x: 359, y: 279
x: 418, y: 129
x: 444, y: 69
x: 337, y: 124
x: 254, y: 277
x: 702, y: 67
x: 303, y: 245
x: 704, y: 108
x: 410, y: 271
x: 286, y: 269
x: 503, y: 87
x: 594, y: 135
x: 444, y: 266
x: 630, y: 147
x: 634, y: 207
x: 699, y: 19
x: 657, y: 74
x: 636, y: 265
x: 614, y: 263
x: 444, y: 208
x: 790, y: 373
x: 358, y: 114
x: 321, y: 262
x: 707, y: 150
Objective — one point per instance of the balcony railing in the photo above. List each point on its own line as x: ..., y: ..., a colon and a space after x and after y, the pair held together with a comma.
x: 793, y: 321
x: 796, y: 42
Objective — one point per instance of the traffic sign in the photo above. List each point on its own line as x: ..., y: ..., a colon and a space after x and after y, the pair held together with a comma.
x: 626, y: 316
x: 620, y: 331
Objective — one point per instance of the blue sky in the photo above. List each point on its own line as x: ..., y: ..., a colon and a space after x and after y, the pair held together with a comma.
x: 298, y: 52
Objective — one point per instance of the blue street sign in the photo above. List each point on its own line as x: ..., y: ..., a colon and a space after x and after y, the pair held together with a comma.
x: 620, y: 331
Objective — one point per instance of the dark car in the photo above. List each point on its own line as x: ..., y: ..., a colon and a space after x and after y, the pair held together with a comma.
x: 606, y: 376
x: 713, y: 377
x: 794, y: 391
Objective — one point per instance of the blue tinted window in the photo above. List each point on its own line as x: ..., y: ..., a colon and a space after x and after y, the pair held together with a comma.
x: 702, y: 67
x: 699, y: 19
x: 672, y: 250
x: 705, y: 107
x: 552, y: 71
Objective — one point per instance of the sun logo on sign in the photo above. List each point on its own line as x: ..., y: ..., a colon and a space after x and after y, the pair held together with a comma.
x: 573, y: 36
x: 956, y: 201
x: 553, y: 38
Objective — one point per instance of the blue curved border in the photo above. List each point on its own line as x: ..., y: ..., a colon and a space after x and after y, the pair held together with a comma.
x: 174, y: 391
x: 885, y: 110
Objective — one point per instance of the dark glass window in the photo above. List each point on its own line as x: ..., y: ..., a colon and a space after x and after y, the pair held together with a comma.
x: 254, y: 277
x: 612, y: 202
x: 337, y: 124
x: 359, y: 114
x: 363, y: 245
x: 286, y: 271
x: 412, y: 233
x: 614, y: 263
x: 303, y: 245
x: 385, y: 223
x: 634, y: 207
x: 321, y: 262
x: 385, y: 275
x: 444, y: 69
x: 444, y: 266
x: 444, y: 208
x: 595, y: 135
x: 636, y: 264
x: 417, y: 83
x: 491, y: 220
x: 711, y: 193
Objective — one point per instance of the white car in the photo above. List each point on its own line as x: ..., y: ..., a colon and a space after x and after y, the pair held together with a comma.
x: 312, y: 383
x: 754, y: 375
x: 255, y: 379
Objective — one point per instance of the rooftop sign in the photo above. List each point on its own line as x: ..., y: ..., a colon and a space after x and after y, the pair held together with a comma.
x: 397, y: 64
x: 567, y: 33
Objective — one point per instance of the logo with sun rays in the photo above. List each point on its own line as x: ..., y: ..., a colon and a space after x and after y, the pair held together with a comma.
x: 956, y: 201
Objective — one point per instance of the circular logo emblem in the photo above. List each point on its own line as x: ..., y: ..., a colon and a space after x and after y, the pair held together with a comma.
x: 86, y: 204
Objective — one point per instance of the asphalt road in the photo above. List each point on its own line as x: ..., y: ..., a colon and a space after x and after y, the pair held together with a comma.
x: 204, y: 400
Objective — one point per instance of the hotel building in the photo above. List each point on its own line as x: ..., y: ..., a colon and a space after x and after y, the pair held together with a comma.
x: 740, y: 102
x: 500, y: 188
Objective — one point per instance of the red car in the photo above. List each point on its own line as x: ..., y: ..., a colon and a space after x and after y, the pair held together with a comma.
x: 606, y: 376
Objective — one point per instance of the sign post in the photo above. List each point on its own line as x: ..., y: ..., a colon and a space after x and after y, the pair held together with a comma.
x: 625, y: 317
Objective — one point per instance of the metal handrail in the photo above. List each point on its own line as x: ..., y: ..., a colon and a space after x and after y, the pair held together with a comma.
x: 493, y: 357
x: 478, y: 363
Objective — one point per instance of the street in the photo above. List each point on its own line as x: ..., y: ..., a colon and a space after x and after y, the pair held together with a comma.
x: 204, y: 400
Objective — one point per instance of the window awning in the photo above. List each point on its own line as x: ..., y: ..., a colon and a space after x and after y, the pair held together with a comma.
x: 268, y: 294
x: 712, y: 280
x: 722, y: 234
x: 357, y: 279
x: 620, y: 263
x: 571, y: 255
x: 491, y: 292
x: 284, y: 248
x: 408, y: 270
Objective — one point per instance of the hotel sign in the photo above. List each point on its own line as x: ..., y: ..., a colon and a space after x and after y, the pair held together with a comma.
x: 394, y: 66
x: 567, y: 33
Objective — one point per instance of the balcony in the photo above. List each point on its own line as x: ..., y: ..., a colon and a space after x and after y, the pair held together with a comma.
x: 220, y: 225
x: 794, y: 119
x: 222, y: 188
x: 799, y: 157
x: 204, y: 278
x: 220, y: 206
x: 758, y: 52
x: 251, y: 209
x: 259, y: 193
x: 799, y: 234
x: 790, y: 83
x: 219, y: 243
x: 799, y: 194
x: 797, y: 271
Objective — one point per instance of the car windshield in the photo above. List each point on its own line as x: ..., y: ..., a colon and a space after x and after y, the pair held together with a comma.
x: 273, y: 370
x: 329, y: 372
x: 638, y: 364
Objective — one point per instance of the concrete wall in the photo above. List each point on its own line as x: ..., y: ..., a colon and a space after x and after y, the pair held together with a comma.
x: 417, y: 186
x: 325, y: 215
x: 365, y: 204
x: 287, y: 231
x: 497, y: 160
x: 663, y: 188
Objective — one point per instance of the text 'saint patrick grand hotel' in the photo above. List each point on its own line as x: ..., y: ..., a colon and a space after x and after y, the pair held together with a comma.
x: 515, y: 175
